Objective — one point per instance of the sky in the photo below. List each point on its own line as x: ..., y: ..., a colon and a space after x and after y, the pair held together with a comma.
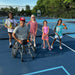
x: 32, y: 3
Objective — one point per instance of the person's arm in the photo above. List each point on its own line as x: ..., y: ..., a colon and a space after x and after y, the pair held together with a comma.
x: 28, y: 32
x: 14, y: 36
x: 6, y: 26
x: 28, y: 36
x: 56, y: 33
x: 16, y: 23
x: 6, y: 22
x: 28, y: 23
x: 65, y: 27
x: 48, y: 31
x: 42, y: 31
x: 36, y: 27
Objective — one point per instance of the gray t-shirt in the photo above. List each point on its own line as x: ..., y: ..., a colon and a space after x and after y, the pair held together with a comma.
x: 21, y: 32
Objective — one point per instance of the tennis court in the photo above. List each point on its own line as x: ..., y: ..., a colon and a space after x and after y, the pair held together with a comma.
x: 54, y: 62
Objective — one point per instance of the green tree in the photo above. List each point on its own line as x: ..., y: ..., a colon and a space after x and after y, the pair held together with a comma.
x: 27, y: 7
x: 53, y: 7
x: 28, y: 11
x: 16, y: 11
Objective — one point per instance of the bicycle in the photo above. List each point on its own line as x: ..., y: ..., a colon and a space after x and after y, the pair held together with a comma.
x: 22, y: 48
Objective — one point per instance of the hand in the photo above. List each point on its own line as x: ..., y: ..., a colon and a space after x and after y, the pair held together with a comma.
x: 56, y: 33
x: 45, y: 35
x: 27, y: 40
x: 20, y: 41
x: 63, y: 24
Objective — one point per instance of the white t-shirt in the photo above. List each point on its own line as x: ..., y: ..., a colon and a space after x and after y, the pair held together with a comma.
x: 10, y: 22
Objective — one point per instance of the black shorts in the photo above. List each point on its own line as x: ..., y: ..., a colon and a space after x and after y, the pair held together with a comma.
x: 24, y: 41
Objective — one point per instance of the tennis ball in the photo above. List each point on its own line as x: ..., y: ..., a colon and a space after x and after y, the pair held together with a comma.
x: 27, y: 40
x: 63, y: 24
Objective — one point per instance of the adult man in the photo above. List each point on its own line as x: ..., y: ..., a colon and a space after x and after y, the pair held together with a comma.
x: 21, y: 32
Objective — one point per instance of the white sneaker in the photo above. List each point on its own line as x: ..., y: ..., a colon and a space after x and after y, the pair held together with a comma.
x: 60, y: 47
x: 34, y: 45
x: 44, y: 47
x: 51, y: 47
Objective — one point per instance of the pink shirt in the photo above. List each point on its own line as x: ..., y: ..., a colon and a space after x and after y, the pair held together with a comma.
x: 33, y: 26
x: 45, y: 29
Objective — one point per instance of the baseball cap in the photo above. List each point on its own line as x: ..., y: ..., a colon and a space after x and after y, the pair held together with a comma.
x: 22, y: 19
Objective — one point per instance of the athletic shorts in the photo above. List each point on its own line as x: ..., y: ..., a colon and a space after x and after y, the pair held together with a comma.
x: 58, y: 37
x: 10, y: 32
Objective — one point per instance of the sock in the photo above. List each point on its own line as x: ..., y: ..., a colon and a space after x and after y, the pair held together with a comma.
x: 9, y: 43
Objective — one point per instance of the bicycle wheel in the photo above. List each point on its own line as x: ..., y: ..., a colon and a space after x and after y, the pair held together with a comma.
x: 14, y: 49
x: 33, y: 48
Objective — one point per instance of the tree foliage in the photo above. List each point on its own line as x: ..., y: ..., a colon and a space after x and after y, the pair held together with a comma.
x: 58, y: 8
x: 16, y: 11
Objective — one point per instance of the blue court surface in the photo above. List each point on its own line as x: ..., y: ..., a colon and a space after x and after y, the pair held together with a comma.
x: 54, y: 62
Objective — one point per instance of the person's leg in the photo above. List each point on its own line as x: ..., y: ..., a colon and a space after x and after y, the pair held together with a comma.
x: 48, y: 44
x: 60, y: 43
x: 43, y: 44
x: 53, y: 41
x: 31, y: 37
x: 10, y: 39
x: 34, y: 37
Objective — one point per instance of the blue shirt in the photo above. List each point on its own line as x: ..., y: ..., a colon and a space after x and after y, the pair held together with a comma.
x: 59, y: 30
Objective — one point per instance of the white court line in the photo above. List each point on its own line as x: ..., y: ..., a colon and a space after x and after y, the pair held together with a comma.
x: 62, y: 43
x: 70, y: 36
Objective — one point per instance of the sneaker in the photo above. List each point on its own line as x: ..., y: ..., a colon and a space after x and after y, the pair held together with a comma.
x: 51, y: 47
x: 10, y: 46
x: 34, y: 45
x: 44, y: 47
x: 60, y: 47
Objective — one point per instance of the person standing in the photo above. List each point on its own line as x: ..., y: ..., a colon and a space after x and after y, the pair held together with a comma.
x: 45, y: 32
x: 33, y: 29
x: 58, y: 33
x: 10, y: 24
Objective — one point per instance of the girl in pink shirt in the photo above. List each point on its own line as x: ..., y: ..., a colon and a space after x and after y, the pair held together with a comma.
x: 45, y: 31
x: 33, y: 29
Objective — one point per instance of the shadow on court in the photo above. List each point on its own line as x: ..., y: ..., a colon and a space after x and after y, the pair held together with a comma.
x: 43, y: 53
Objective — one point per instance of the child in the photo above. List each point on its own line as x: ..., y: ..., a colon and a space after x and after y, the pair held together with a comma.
x: 58, y: 32
x: 10, y: 24
x: 33, y: 29
x: 45, y: 31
